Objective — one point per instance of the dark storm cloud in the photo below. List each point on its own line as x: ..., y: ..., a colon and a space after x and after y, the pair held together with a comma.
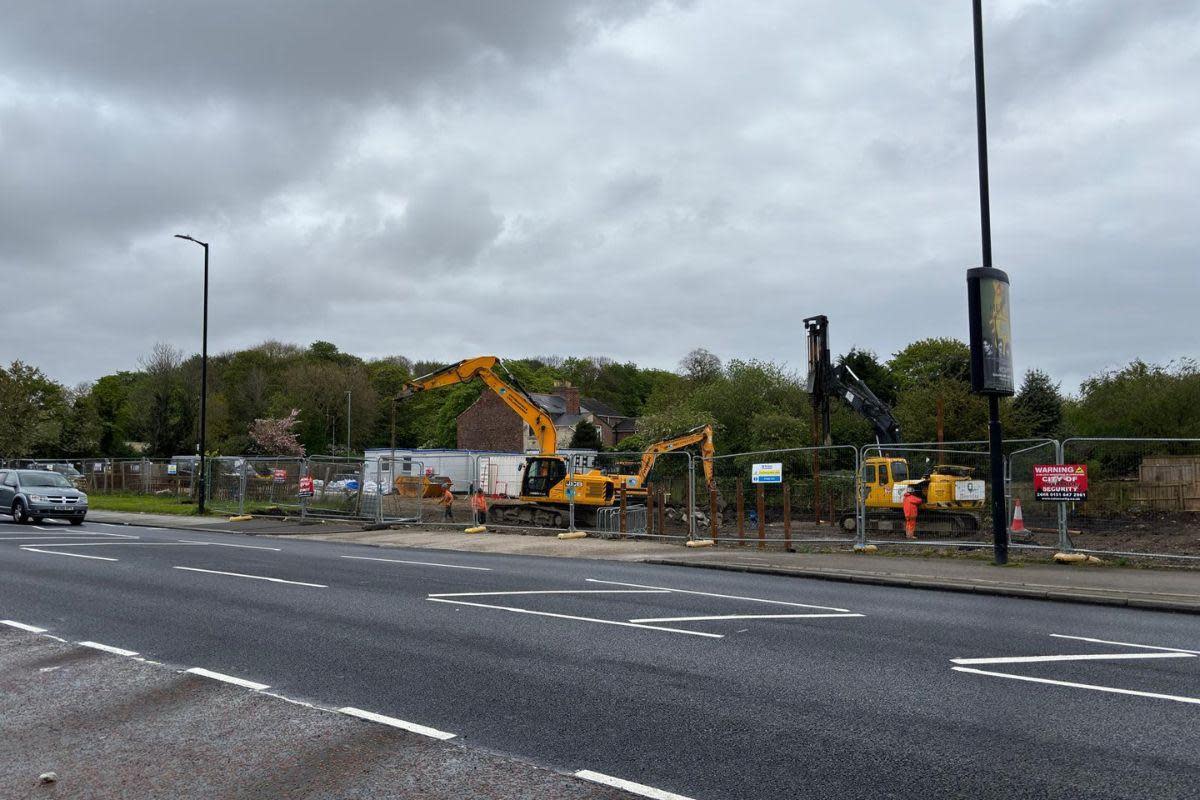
x: 441, y: 179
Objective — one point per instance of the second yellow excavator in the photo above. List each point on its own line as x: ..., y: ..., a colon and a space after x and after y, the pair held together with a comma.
x: 702, y: 435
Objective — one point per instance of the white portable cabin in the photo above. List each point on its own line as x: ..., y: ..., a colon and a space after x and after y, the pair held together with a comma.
x: 497, y: 473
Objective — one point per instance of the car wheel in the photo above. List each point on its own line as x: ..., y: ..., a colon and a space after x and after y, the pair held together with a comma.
x: 19, y: 514
x: 77, y: 521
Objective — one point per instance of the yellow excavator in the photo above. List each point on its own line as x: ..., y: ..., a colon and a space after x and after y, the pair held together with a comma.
x: 546, y: 486
x: 702, y: 435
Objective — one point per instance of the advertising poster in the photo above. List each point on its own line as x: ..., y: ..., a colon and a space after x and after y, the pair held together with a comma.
x: 991, y: 332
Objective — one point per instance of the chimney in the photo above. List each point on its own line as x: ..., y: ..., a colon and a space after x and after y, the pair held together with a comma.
x: 570, y: 396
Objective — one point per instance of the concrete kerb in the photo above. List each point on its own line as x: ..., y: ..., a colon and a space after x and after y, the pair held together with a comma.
x: 942, y: 585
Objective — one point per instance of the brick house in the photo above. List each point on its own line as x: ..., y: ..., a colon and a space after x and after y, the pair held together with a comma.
x: 489, y: 424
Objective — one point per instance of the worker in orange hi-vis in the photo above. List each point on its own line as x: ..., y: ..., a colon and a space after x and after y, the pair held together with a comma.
x: 912, y: 500
x: 479, y: 506
x: 447, y: 500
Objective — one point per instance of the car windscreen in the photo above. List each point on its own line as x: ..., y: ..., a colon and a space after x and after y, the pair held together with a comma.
x: 31, y: 478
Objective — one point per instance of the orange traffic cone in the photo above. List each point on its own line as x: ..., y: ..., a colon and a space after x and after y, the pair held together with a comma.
x: 1018, y: 520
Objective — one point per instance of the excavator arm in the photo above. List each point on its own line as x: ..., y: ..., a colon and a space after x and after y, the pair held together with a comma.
x: 702, y: 435
x: 483, y: 368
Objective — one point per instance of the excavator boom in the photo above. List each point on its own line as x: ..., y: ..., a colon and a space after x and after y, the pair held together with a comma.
x: 483, y: 368
x: 702, y: 435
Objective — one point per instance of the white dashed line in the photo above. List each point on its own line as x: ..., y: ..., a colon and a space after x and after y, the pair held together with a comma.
x: 22, y: 626
x: 224, y: 544
x: 243, y: 575
x: 724, y: 596
x: 60, y: 553
x: 108, y: 648
x: 220, y: 676
x: 636, y: 788
x: 418, y: 563
x: 577, y: 619
x: 1071, y: 685
x: 744, y: 616
x: 411, y: 727
x: 556, y: 591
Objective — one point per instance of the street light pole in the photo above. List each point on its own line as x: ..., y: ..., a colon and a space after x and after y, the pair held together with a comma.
x: 995, y: 431
x: 203, y: 373
x: 347, y: 425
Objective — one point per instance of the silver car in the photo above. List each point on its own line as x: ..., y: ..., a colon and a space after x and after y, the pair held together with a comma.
x: 30, y: 494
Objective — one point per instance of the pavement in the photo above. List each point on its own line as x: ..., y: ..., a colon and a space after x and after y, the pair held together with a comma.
x: 109, y: 725
x: 692, y: 683
x: 1168, y: 589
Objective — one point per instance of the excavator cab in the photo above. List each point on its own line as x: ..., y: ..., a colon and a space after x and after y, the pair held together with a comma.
x: 541, y: 475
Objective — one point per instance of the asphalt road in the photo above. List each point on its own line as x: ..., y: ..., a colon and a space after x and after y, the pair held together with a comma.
x: 706, y: 684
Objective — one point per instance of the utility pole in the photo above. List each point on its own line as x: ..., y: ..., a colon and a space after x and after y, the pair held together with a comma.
x: 347, y: 424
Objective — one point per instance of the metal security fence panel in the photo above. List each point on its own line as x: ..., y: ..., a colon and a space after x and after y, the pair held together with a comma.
x: 340, y: 484
x: 780, y: 497
x: 225, y: 484
x: 632, y: 494
x: 407, y: 490
x: 1143, y: 497
x: 1031, y: 521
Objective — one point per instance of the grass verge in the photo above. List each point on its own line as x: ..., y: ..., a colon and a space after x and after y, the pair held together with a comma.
x: 145, y: 503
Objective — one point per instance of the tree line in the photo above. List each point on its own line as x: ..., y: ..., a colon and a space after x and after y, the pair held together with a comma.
x: 754, y: 405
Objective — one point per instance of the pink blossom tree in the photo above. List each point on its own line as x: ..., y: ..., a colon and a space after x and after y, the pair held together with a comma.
x: 277, y: 437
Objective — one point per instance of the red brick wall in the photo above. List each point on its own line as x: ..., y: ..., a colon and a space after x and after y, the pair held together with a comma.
x: 489, y: 424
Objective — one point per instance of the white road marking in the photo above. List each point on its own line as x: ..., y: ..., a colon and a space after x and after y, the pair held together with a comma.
x: 59, y: 553
x: 725, y: 596
x: 108, y: 648
x: 242, y: 575
x: 1069, y: 684
x: 411, y: 727
x: 225, y: 544
x: 578, y: 619
x: 556, y: 591
x: 44, y: 538
x: 635, y: 788
x: 1076, y: 657
x: 22, y: 626
x: 109, y: 544
x: 744, y: 616
x: 221, y: 676
x: 1124, y: 644
x: 418, y: 563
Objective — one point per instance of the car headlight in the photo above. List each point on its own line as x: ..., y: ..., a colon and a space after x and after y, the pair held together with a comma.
x: 82, y: 500
x: 36, y: 498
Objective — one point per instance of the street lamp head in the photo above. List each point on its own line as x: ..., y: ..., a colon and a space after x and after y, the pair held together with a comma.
x: 190, y: 239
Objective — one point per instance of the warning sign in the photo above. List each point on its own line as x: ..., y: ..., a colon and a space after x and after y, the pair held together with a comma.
x: 306, y: 486
x: 1060, y: 482
x: 279, y: 475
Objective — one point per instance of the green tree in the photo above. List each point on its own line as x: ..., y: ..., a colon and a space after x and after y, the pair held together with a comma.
x: 32, y: 409
x: 586, y: 436
x: 1038, y: 407
x: 930, y: 360
x: 1140, y: 400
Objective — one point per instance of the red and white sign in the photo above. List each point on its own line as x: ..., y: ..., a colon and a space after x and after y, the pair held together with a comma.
x: 1060, y: 482
x: 306, y: 486
x: 279, y: 475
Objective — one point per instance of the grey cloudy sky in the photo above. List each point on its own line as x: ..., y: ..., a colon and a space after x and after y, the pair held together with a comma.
x: 631, y: 179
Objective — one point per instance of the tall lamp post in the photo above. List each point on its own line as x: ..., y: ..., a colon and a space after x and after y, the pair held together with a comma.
x: 990, y: 320
x: 203, y: 371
